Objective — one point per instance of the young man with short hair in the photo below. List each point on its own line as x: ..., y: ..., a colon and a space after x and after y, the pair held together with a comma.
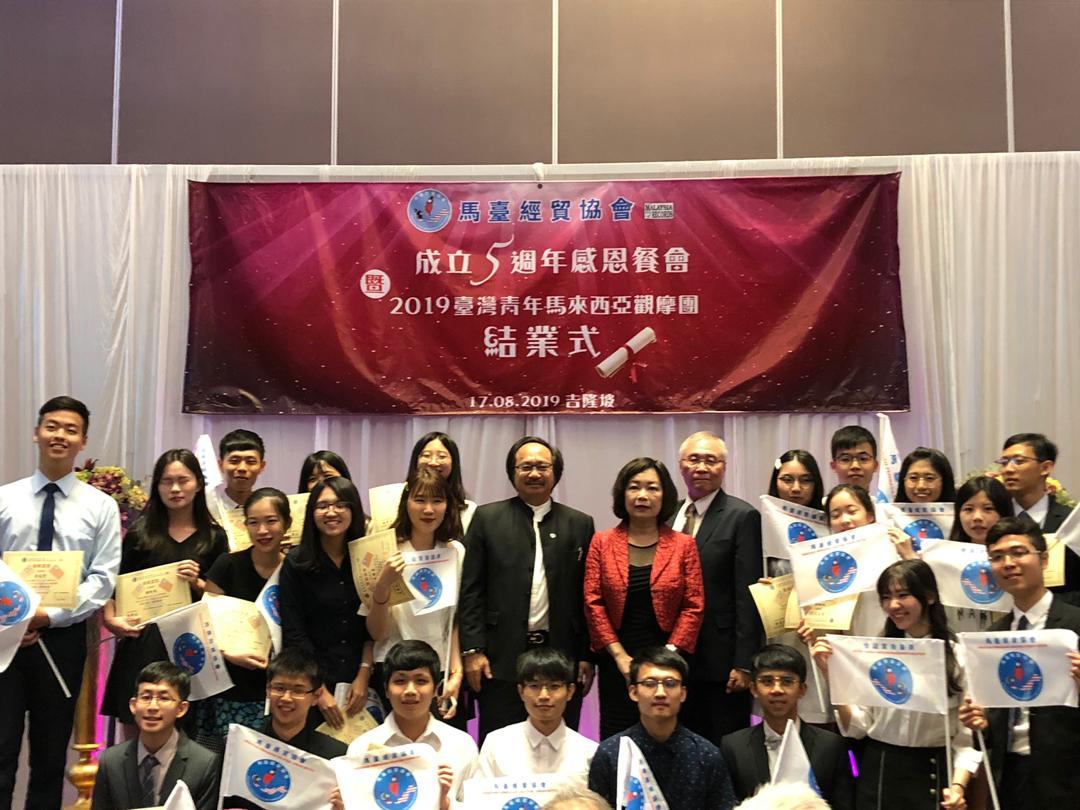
x: 854, y: 456
x: 541, y: 745
x: 293, y: 685
x: 778, y: 682
x: 1032, y: 751
x: 411, y: 669
x: 143, y: 771
x: 52, y: 510
x: 688, y: 769
x: 242, y: 458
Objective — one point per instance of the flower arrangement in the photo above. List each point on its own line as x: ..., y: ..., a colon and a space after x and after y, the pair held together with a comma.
x: 114, y: 482
x: 1054, y: 487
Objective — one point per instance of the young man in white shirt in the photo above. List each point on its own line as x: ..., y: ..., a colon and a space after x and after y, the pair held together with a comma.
x: 411, y: 669
x: 542, y: 745
x: 242, y: 459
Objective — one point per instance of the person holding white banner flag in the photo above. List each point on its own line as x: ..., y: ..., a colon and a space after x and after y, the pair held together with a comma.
x: 427, y: 521
x: 1032, y: 750
x: 907, y: 704
x: 795, y: 479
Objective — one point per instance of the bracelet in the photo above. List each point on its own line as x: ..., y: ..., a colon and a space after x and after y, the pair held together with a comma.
x: 365, y: 665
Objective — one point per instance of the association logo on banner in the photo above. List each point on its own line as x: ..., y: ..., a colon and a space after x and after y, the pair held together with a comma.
x: 508, y: 793
x: 14, y: 603
x: 395, y: 788
x: 432, y: 577
x: 923, y: 529
x: 429, y: 585
x: 1020, y: 676
x: 836, y: 571
x: 964, y: 576
x: 979, y: 584
x: 521, y: 803
x: 271, y: 602
x: 923, y: 522
x: 892, y: 680
x: 799, y: 532
x: 189, y: 653
x: 268, y: 780
x: 430, y: 210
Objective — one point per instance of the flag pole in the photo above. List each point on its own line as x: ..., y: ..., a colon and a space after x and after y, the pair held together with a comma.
x: 948, y: 736
x: 989, y: 773
x: 52, y: 665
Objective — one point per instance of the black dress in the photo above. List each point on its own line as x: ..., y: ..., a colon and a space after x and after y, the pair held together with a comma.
x: 132, y: 654
x: 639, y: 630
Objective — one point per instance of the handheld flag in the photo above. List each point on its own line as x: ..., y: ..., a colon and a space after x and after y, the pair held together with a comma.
x: 401, y: 778
x: 191, y: 644
x: 432, y: 576
x: 269, y: 603
x: 18, y: 603
x: 206, y: 455
x: 528, y: 792
x: 783, y: 524
x: 841, y: 564
x: 179, y: 798
x: 637, y: 788
x: 272, y: 774
x: 923, y: 522
x: 893, y: 673
x: 964, y: 577
x: 792, y: 763
x: 1020, y: 667
x: 1069, y: 531
x: 888, y: 478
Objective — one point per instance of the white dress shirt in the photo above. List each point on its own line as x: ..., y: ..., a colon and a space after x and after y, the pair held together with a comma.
x: 701, y: 506
x: 538, y: 597
x: 85, y: 519
x: 521, y: 750
x: 773, y: 750
x: 164, y: 756
x: 1037, y: 511
x: 1036, y: 616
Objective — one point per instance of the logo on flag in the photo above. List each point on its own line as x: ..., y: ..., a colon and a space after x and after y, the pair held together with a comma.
x: 1020, y: 676
x: 979, y: 584
x: 521, y: 803
x: 836, y: 571
x: 923, y: 529
x: 189, y: 653
x: 271, y: 602
x: 799, y: 532
x: 395, y: 788
x: 892, y: 680
x: 14, y: 603
x: 268, y: 780
x: 429, y: 210
x: 635, y: 795
x: 428, y: 584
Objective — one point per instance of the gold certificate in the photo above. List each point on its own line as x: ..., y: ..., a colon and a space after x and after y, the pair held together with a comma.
x: 239, y: 626
x: 1054, y: 573
x: 772, y: 602
x: 142, y: 596
x: 354, y: 726
x: 236, y: 529
x: 832, y: 615
x: 384, y: 502
x: 368, y: 555
x: 53, y: 575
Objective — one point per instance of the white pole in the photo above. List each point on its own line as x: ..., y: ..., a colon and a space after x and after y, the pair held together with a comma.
x: 56, y: 671
x: 989, y: 773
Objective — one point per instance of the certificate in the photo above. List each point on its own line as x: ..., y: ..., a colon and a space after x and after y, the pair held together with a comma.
x: 53, y: 575
x: 1054, y: 573
x: 368, y: 555
x: 239, y: 626
x: 384, y: 502
x: 832, y: 615
x: 142, y: 596
x: 772, y: 602
x: 354, y: 726
x: 236, y: 529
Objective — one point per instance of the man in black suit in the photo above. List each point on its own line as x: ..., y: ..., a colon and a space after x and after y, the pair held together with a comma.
x: 142, y: 772
x: 728, y: 534
x: 1027, y: 460
x: 779, y: 683
x: 522, y: 584
x: 1033, y: 752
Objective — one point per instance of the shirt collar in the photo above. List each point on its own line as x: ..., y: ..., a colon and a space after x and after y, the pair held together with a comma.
x: 1037, y: 612
x: 540, y: 512
x: 431, y: 730
x: 703, y: 503
x: 163, y: 754
x: 535, y: 737
x: 1038, y: 510
x: 772, y: 735
x: 66, y: 484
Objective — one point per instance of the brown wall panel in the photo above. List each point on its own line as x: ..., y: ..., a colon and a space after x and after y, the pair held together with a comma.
x: 676, y: 80
x: 1046, y: 74
x: 56, y: 80
x: 244, y: 81
x: 432, y: 82
x: 888, y: 77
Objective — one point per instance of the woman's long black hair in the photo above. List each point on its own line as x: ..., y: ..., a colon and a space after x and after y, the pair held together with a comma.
x: 153, y: 524
x: 307, y: 550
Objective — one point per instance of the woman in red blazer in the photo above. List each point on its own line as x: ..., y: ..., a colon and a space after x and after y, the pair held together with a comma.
x: 642, y: 585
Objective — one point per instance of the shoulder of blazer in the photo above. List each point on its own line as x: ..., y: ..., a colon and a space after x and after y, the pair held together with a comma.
x: 1062, y: 614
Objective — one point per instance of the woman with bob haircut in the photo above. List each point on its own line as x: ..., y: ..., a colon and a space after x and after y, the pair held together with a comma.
x: 926, y: 476
x: 643, y: 585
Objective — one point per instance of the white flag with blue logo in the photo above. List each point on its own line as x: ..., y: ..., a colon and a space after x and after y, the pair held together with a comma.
x: 272, y: 774
x: 637, y: 788
x: 18, y: 603
x: 1020, y: 667
x: 179, y: 798
x: 401, y: 778
x: 432, y: 576
x: 964, y: 577
x: 191, y: 645
x: 888, y: 477
x: 206, y: 455
x: 784, y: 524
x: 841, y: 564
x: 269, y: 604
x: 526, y: 792
x: 893, y: 673
x: 923, y: 522
x: 792, y: 763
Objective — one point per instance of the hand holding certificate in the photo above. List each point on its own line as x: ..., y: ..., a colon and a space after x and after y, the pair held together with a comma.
x: 142, y: 596
x: 240, y: 628
x: 53, y: 575
x: 368, y: 556
x: 772, y: 601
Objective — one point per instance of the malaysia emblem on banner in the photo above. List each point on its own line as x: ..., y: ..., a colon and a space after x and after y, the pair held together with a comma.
x: 269, y: 604
x: 636, y: 785
x: 1020, y: 668
x: 400, y: 778
x: 923, y: 522
x: 529, y: 792
x: 893, y: 673
x: 18, y: 603
x: 784, y: 523
x: 190, y: 643
x: 432, y: 576
x: 964, y: 577
x: 269, y: 773
x: 841, y: 564
x: 792, y: 763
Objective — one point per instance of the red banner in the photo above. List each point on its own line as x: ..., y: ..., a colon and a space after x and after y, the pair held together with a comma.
x: 755, y: 294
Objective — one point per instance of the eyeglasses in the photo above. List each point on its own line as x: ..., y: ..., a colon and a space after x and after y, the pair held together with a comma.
x: 536, y: 687
x: 769, y: 681
x: 530, y: 468
x: 708, y: 461
x: 788, y: 480
x: 438, y: 457
x: 1017, y: 555
x: 847, y: 459
x: 335, y: 506
x: 147, y: 698
x: 1013, y: 461
x: 651, y: 684
x: 277, y: 690
x: 915, y: 478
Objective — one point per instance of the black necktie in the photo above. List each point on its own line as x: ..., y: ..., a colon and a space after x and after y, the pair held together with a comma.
x: 48, y: 509
x: 146, y: 779
x: 1014, y: 712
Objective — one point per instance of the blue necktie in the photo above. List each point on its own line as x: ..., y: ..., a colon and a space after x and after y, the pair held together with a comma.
x: 1014, y: 712
x: 45, y: 528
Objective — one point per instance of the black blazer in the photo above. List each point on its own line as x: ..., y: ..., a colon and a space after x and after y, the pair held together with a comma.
x: 746, y: 758
x: 1070, y: 591
x: 496, y: 581
x: 117, y: 785
x: 729, y: 545
x: 1055, y: 760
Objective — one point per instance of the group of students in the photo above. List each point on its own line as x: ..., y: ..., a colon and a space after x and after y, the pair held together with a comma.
x: 648, y: 597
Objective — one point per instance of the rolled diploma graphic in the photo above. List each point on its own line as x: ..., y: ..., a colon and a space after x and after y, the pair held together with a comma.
x: 617, y: 359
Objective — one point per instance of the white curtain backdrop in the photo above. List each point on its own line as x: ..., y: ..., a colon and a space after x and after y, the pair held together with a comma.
x: 94, y: 302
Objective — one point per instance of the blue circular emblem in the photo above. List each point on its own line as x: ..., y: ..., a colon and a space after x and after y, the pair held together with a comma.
x: 978, y: 583
x: 892, y: 680
x: 923, y: 529
x: 268, y: 780
x: 395, y: 788
x: 799, y: 532
x: 429, y: 585
x: 521, y: 803
x: 635, y: 795
x: 271, y: 600
x: 1020, y: 676
x: 837, y: 571
x: 14, y: 603
x: 430, y: 210
x: 189, y: 653
x: 375, y: 707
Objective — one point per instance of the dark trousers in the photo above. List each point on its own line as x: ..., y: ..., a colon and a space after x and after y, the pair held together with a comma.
x: 29, y: 686
x: 1014, y: 786
x: 711, y: 712
x: 501, y: 706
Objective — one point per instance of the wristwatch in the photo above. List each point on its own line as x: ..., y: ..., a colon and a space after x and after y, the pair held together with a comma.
x: 472, y: 651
